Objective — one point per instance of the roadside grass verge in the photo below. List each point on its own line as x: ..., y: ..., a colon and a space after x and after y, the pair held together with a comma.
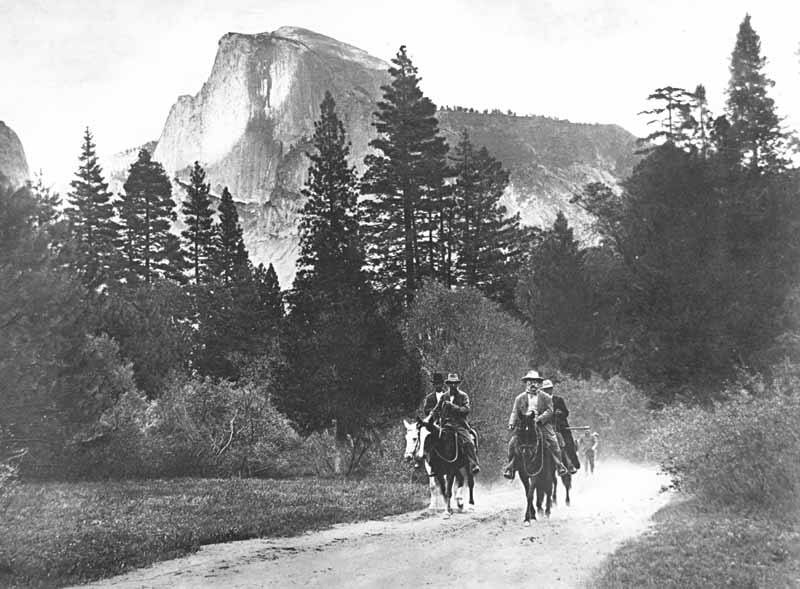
x: 696, y: 546
x: 57, y: 534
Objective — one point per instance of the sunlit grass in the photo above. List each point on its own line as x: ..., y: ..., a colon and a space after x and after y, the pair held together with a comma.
x: 62, y: 533
x: 692, y: 546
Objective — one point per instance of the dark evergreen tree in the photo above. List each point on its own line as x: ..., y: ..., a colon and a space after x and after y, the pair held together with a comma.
x: 199, y: 219
x: 334, y: 342
x: 146, y: 213
x: 404, y: 182
x: 672, y: 115
x: 755, y: 128
x: 553, y: 292
x: 270, y: 297
x: 230, y: 257
x: 488, y: 240
x: 91, y: 217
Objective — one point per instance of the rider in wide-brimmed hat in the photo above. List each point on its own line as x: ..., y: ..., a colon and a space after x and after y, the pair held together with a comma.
x: 452, y: 409
x: 534, y: 401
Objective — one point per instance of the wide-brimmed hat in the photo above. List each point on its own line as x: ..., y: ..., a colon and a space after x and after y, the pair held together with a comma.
x: 532, y: 375
x: 437, y: 378
x: 547, y: 384
x: 452, y: 378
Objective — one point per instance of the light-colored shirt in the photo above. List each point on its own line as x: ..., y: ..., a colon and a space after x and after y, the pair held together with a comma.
x: 531, y: 402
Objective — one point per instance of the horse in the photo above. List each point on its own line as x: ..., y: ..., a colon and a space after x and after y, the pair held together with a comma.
x: 435, y: 451
x: 536, y: 468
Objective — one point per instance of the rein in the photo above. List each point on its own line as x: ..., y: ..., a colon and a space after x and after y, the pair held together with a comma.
x: 455, y: 439
x: 540, y: 445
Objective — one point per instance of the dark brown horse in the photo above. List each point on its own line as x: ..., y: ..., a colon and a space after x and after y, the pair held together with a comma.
x: 448, y: 463
x: 536, y: 468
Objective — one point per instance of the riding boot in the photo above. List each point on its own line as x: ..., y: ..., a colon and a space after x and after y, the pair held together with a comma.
x: 508, y: 472
x: 566, y: 464
x: 560, y: 468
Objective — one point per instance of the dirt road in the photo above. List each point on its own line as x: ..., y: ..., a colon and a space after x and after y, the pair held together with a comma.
x: 486, y: 547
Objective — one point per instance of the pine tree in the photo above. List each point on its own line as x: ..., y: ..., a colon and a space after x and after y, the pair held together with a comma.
x: 404, y: 182
x: 554, y: 294
x: 91, y: 218
x: 230, y: 257
x: 147, y: 212
x: 270, y: 297
x: 199, y: 219
x: 334, y: 337
x: 487, y: 239
x: 754, y: 124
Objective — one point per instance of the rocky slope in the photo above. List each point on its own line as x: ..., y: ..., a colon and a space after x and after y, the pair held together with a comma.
x: 251, y: 122
x: 13, y: 165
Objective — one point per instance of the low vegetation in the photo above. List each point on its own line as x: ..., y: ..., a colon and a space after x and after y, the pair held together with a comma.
x: 692, y: 545
x: 56, y: 534
x: 738, y: 521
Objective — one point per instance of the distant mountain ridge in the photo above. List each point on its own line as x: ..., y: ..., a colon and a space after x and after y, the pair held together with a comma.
x: 251, y: 123
x: 13, y: 164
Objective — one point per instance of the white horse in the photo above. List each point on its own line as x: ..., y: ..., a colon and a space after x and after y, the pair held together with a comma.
x: 415, y: 451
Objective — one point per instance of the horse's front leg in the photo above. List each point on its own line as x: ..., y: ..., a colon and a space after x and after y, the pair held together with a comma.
x: 567, y: 480
x: 436, y: 490
x: 529, y: 511
x: 555, y: 489
x: 460, y: 490
x: 471, y: 484
x: 448, y: 494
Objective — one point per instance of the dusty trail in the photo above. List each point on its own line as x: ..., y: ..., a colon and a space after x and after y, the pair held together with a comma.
x: 487, y: 547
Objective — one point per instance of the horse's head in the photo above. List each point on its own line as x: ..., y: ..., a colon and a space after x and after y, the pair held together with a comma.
x: 416, y: 434
x: 412, y: 440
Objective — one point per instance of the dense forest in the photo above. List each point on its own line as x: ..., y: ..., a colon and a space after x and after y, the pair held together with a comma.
x: 130, y: 350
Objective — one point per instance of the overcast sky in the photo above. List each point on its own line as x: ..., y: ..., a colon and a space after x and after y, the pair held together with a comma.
x: 118, y: 66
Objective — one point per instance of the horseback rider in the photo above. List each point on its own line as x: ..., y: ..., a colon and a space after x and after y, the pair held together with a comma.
x: 452, y: 410
x: 565, y: 439
x: 536, y: 402
x: 432, y: 399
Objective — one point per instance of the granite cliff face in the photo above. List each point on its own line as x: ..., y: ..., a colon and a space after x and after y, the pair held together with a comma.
x: 549, y: 160
x: 13, y: 165
x: 251, y: 123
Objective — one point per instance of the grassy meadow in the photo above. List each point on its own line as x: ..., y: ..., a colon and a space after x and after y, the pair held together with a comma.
x: 56, y: 534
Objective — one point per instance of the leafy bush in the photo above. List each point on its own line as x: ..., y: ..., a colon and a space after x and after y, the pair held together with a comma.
x: 742, y: 451
x: 462, y: 331
x: 198, y: 427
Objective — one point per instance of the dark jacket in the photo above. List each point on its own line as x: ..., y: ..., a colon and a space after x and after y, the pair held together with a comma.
x: 428, y: 404
x: 561, y: 422
x: 453, y: 414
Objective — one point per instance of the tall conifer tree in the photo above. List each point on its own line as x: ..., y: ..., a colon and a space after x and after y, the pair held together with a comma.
x: 488, y: 240
x: 754, y: 124
x: 147, y: 212
x: 333, y: 340
x: 404, y: 182
x: 199, y: 219
x: 229, y: 258
x: 91, y: 217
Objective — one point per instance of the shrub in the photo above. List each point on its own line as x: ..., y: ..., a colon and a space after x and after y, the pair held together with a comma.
x: 742, y: 451
x: 462, y: 331
x: 199, y: 427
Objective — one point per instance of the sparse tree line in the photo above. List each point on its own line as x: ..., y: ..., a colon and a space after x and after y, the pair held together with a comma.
x: 121, y: 334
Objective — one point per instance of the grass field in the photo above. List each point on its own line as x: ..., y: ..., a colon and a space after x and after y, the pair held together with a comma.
x: 58, y: 534
x: 692, y: 546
